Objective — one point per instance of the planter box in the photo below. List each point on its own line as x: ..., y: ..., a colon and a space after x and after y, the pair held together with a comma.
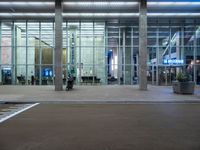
x: 183, y: 87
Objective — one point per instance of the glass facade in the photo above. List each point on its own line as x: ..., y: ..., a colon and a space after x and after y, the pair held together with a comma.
x: 99, y: 52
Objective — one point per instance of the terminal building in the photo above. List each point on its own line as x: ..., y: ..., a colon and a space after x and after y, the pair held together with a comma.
x: 102, y: 42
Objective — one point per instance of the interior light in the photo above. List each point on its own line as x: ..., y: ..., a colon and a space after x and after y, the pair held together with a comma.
x: 172, y: 14
x: 27, y: 3
x: 100, y: 3
x: 106, y: 15
x: 5, y: 14
x: 103, y: 3
x: 26, y: 14
x: 100, y: 14
x: 173, y: 3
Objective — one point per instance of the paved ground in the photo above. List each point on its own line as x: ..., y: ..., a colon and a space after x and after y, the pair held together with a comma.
x: 104, y: 127
x: 97, y: 119
x: 102, y: 94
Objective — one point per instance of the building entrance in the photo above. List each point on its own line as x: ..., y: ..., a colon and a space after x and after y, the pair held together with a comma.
x: 6, y: 75
x: 163, y: 75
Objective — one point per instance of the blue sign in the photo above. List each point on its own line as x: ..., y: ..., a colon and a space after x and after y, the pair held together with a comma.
x: 173, y: 61
x: 47, y: 72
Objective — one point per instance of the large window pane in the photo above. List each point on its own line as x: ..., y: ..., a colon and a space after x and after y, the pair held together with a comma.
x: 6, y: 43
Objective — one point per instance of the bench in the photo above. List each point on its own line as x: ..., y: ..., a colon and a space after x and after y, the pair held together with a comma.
x: 89, y: 79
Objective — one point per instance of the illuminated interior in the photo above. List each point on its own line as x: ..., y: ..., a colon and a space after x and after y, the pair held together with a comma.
x: 100, y: 39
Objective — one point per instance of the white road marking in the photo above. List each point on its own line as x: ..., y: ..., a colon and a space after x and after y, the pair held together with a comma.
x: 17, y: 112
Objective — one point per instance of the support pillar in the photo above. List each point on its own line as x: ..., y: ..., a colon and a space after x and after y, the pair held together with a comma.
x: 58, y: 46
x: 40, y: 54
x: 26, y: 53
x: 143, y: 45
x: 132, y: 60
x: 80, y: 66
x: 195, y: 55
x: 157, y: 56
x: 13, y: 61
x: 0, y: 55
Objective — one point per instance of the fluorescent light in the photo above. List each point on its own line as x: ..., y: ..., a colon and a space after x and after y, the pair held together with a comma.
x: 100, y: 14
x: 128, y: 14
x: 26, y: 14
x: 172, y: 14
x: 173, y: 3
x: 103, y: 3
x: 27, y: 3
x: 5, y: 14
x: 100, y: 3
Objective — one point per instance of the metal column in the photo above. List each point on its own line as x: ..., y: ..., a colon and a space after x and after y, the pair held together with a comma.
x: 132, y: 63
x: 93, y: 56
x: 53, y: 72
x: 124, y: 56
x: 195, y: 55
x: 80, y: 65
x: 40, y: 56
x: 106, y: 51
x: 157, y: 56
x: 26, y: 52
x: 119, y: 57
x: 67, y: 51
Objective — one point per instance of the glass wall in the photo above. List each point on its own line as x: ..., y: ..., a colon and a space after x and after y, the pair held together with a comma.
x: 27, y: 53
x: 173, y: 47
x: 85, y: 55
x: 98, y: 52
x: 6, y: 52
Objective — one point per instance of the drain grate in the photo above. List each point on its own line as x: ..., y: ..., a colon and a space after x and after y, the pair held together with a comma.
x: 11, y: 109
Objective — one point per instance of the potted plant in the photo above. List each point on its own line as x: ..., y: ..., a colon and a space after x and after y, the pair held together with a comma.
x: 183, y: 84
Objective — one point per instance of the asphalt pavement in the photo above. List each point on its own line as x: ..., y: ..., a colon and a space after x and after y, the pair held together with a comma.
x: 157, y: 126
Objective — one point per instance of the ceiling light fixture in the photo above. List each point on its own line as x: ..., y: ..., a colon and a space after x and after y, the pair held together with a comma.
x: 27, y: 3
x: 100, y: 3
x: 173, y: 3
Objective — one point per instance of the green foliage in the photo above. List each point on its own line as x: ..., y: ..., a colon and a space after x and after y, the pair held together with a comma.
x: 183, y: 77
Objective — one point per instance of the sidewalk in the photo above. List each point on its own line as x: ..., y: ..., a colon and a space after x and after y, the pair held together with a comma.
x: 97, y: 94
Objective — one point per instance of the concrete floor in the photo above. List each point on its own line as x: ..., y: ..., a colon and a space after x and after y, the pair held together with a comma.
x: 94, y: 94
x: 104, y: 127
